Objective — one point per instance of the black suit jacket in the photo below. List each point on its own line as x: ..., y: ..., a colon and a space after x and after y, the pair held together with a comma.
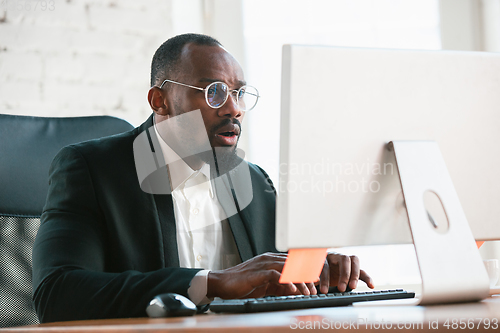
x: 105, y: 248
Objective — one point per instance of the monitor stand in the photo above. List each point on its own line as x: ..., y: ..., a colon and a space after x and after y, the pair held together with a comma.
x: 450, y: 264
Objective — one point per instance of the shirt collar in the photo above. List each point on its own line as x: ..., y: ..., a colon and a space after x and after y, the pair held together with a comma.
x: 180, y: 171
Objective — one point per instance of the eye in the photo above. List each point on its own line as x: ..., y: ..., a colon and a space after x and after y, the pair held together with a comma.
x: 241, y: 92
x: 212, y: 90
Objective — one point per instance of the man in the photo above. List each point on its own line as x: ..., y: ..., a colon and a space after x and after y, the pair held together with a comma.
x: 109, y: 241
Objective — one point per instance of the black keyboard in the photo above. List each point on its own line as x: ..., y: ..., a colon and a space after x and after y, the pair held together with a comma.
x: 277, y: 303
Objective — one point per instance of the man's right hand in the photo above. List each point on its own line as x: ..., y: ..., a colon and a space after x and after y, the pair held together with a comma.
x: 253, y: 278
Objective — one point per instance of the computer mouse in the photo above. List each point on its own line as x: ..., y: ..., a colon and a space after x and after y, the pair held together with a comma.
x: 170, y: 305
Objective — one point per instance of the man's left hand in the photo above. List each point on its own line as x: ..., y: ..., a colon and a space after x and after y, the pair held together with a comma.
x: 342, y: 271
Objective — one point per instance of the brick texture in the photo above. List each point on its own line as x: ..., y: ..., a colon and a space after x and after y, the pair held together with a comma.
x: 83, y: 57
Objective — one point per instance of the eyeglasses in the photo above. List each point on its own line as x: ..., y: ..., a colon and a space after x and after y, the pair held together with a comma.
x: 217, y: 93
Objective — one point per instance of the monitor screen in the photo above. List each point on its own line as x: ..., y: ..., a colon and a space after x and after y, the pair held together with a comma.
x: 339, y: 184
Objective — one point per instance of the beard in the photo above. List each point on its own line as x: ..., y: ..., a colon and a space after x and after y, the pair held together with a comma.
x: 188, y: 135
x: 224, y: 159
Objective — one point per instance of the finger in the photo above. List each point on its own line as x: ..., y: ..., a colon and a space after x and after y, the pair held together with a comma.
x: 256, y: 284
x: 276, y: 289
x: 334, y: 268
x: 290, y: 289
x: 261, y: 278
x: 344, y: 273
x: 264, y: 264
x: 312, y: 288
x: 267, y: 261
x: 282, y: 289
x: 363, y: 276
x: 281, y: 256
x: 302, y: 288
x: 257, y: 292
x: 324, y: 279
x: 355, y: 271
x: 266, y: 258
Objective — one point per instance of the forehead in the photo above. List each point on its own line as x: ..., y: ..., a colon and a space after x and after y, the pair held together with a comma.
x: 209, y: 62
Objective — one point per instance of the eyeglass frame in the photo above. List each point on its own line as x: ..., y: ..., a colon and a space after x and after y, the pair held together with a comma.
x: 229, y: 92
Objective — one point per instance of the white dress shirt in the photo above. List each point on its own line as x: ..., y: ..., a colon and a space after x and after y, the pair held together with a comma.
x: 204, y: 238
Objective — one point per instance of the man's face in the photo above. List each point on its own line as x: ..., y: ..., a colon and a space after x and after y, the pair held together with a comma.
x: 200, y: 66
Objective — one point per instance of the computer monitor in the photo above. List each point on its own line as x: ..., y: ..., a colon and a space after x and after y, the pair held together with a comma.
x: 339, y: 183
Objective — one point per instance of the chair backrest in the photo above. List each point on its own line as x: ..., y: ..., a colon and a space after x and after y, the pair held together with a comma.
x: 27, y: 147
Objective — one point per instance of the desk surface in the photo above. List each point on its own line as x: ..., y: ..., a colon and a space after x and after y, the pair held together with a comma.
x: 482, y: 316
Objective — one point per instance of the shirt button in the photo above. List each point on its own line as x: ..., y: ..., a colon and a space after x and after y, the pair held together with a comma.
x: 198, y: 257
x: 196, y: 211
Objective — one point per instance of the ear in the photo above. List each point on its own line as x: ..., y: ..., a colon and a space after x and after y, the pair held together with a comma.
x: 156, y: 100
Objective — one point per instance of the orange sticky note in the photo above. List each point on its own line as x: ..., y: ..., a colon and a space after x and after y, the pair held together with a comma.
x: 479, y: 244
x: 303, y: 265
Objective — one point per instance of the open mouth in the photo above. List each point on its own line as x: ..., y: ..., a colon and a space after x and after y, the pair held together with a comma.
x: 228, y: 135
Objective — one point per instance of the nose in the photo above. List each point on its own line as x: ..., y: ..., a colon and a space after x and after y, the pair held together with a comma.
x: 231, y: 108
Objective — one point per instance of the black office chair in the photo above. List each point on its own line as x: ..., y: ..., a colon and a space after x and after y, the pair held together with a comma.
x: 27, y: 147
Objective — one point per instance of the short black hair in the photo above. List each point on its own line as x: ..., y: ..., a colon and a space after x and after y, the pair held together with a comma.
x: 168, y: 54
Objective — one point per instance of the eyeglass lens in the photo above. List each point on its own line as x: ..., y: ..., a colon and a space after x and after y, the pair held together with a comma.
x: 217, y: 95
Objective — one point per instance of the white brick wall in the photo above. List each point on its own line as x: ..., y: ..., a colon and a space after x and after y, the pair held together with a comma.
x: 83, y: 58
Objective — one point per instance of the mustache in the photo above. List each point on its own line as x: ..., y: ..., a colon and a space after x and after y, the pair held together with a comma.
x: 226, y: 122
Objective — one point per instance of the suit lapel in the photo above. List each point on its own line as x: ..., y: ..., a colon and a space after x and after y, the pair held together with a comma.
x: 165, y: 208
x: 163, y: 202
x: 241, y: 237
x: 228, y: 202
